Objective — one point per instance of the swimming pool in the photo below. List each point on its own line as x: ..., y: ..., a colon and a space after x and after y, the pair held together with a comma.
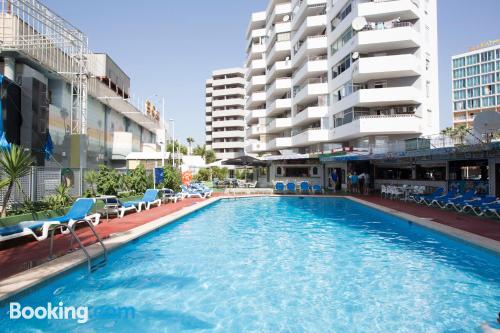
x: 280, y: 265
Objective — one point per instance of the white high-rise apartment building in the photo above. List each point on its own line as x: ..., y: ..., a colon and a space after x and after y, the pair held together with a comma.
x: 225, y: 112
x: 357, y: 73
x: 476, y: 83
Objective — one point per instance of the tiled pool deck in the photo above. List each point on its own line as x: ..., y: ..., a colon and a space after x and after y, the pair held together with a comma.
x: 18, y: 257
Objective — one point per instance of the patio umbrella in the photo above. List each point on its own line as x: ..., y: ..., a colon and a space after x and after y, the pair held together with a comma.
x: 245, y: 161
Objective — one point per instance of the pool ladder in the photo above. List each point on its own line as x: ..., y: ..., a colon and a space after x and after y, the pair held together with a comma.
x: 92, y: 267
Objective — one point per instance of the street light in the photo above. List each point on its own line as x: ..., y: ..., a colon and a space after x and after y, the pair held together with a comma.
x: 173, y: 142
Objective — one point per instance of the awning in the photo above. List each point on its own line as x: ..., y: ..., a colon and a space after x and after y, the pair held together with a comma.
x: 245, y: 161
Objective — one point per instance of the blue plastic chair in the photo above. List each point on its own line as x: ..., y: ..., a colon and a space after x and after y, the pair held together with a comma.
x: 317, y: 189
x: 305, y: 187
x: 279, y: 187
x: 149, y: 198
x: 291, y: 188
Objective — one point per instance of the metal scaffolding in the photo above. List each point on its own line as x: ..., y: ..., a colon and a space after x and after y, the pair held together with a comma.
x: 37, y: 33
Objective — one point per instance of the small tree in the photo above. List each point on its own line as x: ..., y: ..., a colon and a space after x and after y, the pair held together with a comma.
x: 460, y: 132
x: 203, y: 175
x: 190, y: 141
x: 210, y: 157
x: 16, y: 163
x: 171, y: 179
x: 139, y: 180
x: 60, y: 199
x: 220, y: 173
x: 108, y: 181
x: 91, y: 178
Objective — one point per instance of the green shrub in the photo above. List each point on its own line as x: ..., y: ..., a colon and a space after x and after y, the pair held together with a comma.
x: 171, y: 178
x: 60, y: 199
x: 139, y: 180
x: 203, y: 175
x: 220, y: 173
x: 108, y: 181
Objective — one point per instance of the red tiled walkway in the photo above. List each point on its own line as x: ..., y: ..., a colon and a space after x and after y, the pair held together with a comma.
x: 18, y: 257
x: 489, y: 228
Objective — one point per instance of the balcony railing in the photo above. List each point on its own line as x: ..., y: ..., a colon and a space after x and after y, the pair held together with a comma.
x: 316, y: 80
x: 386, y: 25
x: 298, y: 46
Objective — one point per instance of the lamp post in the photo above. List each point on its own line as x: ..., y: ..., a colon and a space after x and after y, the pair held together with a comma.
x: 173, y: 142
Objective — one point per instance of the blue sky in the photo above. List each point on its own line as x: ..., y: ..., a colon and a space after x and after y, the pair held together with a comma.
x: 170, y: 47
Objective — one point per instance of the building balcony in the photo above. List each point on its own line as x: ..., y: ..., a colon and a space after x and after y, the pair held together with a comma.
x: 208, y: 138
x: 208, y: 119
x: 307, y: 8
x: 310, y: 115
x: 229, y: 113
x: 276, y: 9
x: 228, y: 102
x: 312, y: 25
x: 385, y: 67
x: 257, y: 21
x: 228, y: 145
x: 257, y: 66
x: 310, y: 91
x: 380, y: 97
x: 230, y: 91
x: 401, y: 35
x: 277, y: 69
x: 403, y: 124
x: 255, y: 147
x: 208, y: 128
x: 279, y: 143
x: 230, y: 81
x: 229, y: 155
x: 314, y: 66
x: 228, y: 134
x: 310, y: 136
x: 311, y: 46
x: 256, y: 83
x: 279, y: 125
x: 256, y: 98
x: 279, y: 87
x: 280, y: 27
x: 279, y: 105
x: 278, y: 51
x: 208, y: 109
x: 383, y: 10
x: 228, y: 123
x: 254, y: 115
x: 254, y: 131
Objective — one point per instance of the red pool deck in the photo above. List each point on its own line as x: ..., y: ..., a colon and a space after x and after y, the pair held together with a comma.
x: 21, y: 255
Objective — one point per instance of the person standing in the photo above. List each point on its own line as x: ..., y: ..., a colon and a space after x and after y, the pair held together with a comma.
x: 334, y: 179
x: 361, y: 183
x: 349, y: 181
x: 354, y: 182
x: 367, y: 183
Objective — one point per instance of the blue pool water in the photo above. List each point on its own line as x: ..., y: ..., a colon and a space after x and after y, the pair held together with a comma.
x: 280, y: 265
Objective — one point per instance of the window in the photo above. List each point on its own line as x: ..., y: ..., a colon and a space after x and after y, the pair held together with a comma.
x: 459, y: 106
x: 380, y: 84
x: 473, y: 81
x: 459, y: 84
x: 296, y: 172
x: 341, y: 67
x: 472, y: 59
x: 473, y: 70
x: 487, y: 56
x: 488, y: 67
x: 474, y: 103
x: 315, y: 171
x: 428, y: 88
x: 459, y: 94
x: 342, y: 40
x: 488, y: 78
x: 279, y: 171
x: 459, y: 73
x: 488, y: 101
x: 488, y: 89
x: 346, y: 10
x: 460, y: 62
x: 473, y: 92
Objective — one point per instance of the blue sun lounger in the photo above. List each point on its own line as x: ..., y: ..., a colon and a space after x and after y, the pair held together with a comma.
x: 429, y: 197
x: 317, y: 189
x: 443, y: 199
x: 291, y: 188
x: 477, y: 206
x: 80, y: 210
x: 305, y: 188
x: 149, y: 198
x: 459, y: 200
x: 279, y: 187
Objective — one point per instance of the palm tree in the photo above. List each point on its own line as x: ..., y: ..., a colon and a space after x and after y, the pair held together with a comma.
x: 448, y: 131
x: 91, y: 178
x: 190, y: 141
x: 15, y: 163
x: 461, y: 132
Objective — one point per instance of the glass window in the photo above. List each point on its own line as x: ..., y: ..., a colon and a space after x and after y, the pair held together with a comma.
x: 342, y: 40
x: 472, y: 59
x: 459, y: 73
x: 459, y: 84
x: 474, y: 103
x: 473, y: 92
x: 488, y: 78
x: 458, y: 106
x: 487, y: 56
x: 473, y: 81
x: 346, y: 10
x: 460, y: 94
x: 488, y: 101
x: 488, y: 67
x: 341, y: 67
x: 460, y: 62
x: 488, y: 89
x: 473, y: 70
